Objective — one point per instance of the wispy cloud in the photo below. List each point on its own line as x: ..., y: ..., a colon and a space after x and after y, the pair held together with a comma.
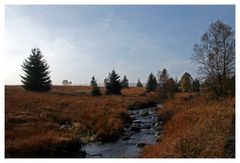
x: 105, y: 22
x: 81, y: 41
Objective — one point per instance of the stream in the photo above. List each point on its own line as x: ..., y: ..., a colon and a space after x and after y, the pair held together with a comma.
x: 143, y: 130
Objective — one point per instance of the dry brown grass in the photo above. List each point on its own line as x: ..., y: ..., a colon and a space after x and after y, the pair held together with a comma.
x: 38, y: 122
x: 195, y: 127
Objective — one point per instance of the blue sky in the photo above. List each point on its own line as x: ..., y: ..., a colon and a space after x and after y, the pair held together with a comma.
x: 80, y: 41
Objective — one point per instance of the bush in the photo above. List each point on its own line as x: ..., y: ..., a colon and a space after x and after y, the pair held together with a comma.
x: 109, y: 129
x: 96, y: 91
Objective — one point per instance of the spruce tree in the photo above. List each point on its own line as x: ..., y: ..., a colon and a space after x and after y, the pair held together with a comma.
x: 113, y: 84
x: 36, y: 77
x: 151, y: 83
x: 95, y: 89
x: 139, y: 84
x: 125, y: 83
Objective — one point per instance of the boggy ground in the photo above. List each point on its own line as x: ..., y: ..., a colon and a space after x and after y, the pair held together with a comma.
x: 57, y: 123
x: 195, y: 126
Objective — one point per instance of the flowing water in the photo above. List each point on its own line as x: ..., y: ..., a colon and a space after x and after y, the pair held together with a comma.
x: 143, y: 130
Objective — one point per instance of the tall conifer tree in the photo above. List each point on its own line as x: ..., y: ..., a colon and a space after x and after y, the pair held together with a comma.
x: 125, y: 83
x: 139, y: 84
x: 36, y: 73
x: 151, y: 83
x: 113, y: 84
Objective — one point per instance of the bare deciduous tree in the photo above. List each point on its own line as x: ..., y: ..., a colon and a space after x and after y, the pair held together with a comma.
x: 186, y: 82
x: 163, y: 76
x: 215, y: 56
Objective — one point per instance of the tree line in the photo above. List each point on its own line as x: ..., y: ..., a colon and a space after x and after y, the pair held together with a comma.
x: 37, y: 79
x: 214, y: 55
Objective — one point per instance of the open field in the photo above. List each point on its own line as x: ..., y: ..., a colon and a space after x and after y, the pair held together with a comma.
x: 195, y: 126
x: 38, y: 123
x: 51, y: 124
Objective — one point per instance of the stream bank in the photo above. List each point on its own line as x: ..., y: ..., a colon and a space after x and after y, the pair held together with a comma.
x: 143, y: 130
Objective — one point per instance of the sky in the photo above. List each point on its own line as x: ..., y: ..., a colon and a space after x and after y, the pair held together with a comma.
x: 80, y: 41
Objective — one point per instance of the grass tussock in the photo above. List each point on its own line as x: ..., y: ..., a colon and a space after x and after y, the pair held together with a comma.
x: 47, y: 123
x: 195, y: 127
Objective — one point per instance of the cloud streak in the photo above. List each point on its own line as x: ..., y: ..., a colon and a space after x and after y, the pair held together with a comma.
x: 81, y: 41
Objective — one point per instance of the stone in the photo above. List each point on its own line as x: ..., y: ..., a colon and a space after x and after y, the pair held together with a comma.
x: 146, y: 127
x: 141, y: 145
x: 144, y: 113
x: 135, y: 127
x: 133, y: 118
x: 125, y: 137
x: 159, y: 128
x: 127, y: 126
x: 136, y: 121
